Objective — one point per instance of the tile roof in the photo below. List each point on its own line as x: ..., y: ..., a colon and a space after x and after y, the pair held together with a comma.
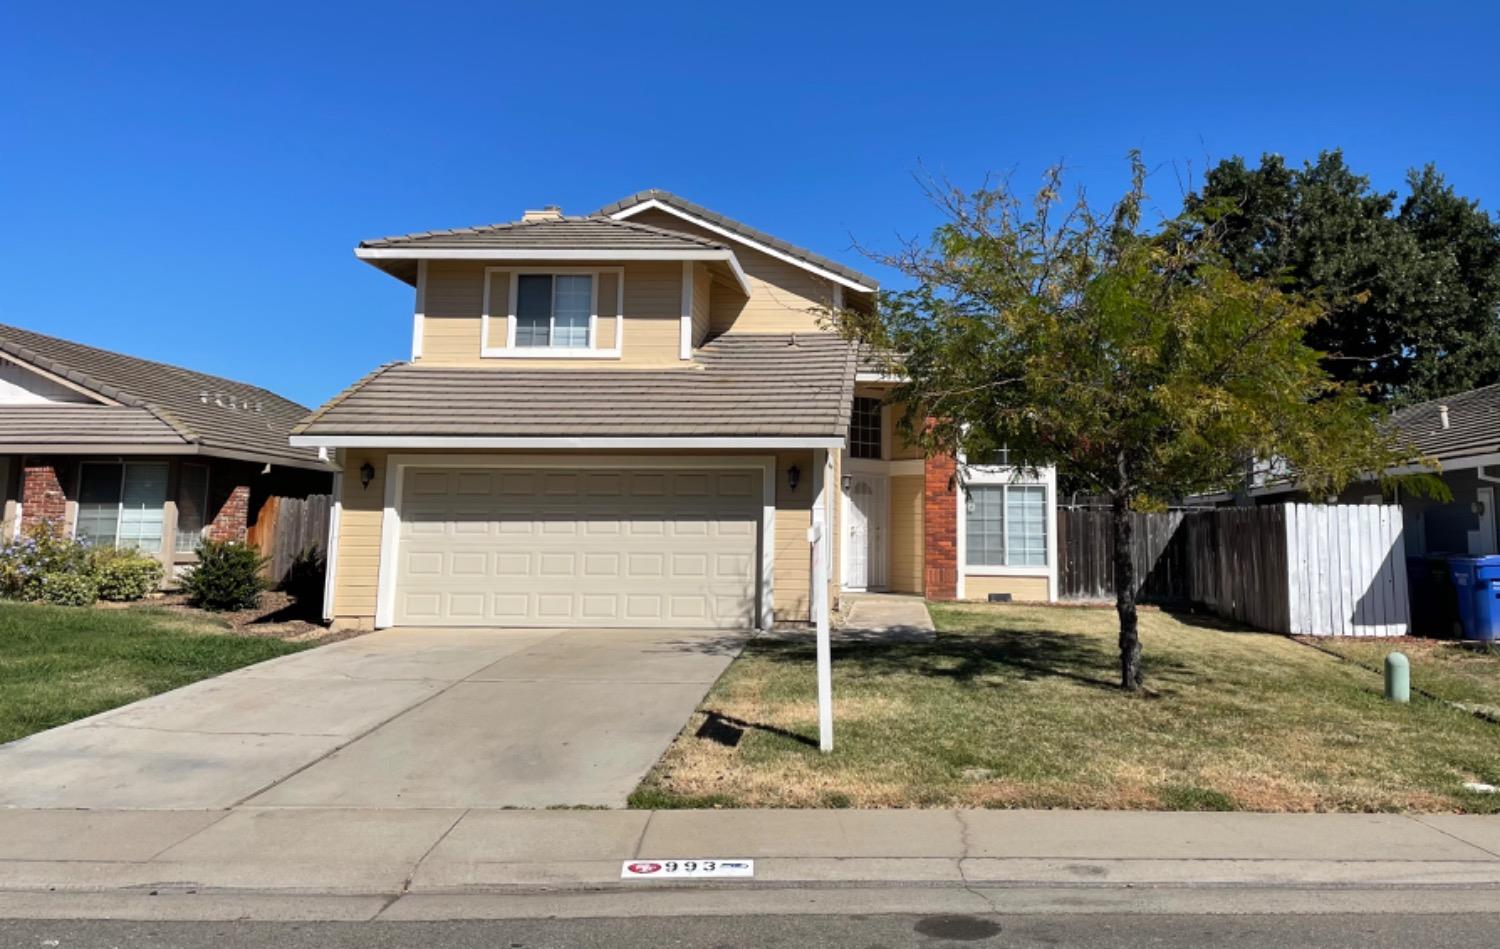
x: 796, y: 385
x: 42, y: 427
x: 214, y: 413
x: 1473, y: 424
x: 739, y: 228
x: 568, y: 233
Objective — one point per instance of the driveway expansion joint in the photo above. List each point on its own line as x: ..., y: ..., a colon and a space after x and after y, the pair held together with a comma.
x: 1418, y: 818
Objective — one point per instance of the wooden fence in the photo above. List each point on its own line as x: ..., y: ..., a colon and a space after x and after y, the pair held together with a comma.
x: 287, y: 527
x: 1309, y: 569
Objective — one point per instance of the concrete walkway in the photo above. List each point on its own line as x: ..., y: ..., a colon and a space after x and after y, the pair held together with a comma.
x: 888, y: 617
x: 395, y: 719
x: 439, y: 861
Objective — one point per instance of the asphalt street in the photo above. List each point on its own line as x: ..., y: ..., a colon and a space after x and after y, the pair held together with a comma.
x: 1087, y: 931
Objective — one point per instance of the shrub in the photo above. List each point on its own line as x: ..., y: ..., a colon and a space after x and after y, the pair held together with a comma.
x: 304, y: 578
x: 125, y: 574
x: 68, y: 589
x: 41, y: 551
x: 226, y: 577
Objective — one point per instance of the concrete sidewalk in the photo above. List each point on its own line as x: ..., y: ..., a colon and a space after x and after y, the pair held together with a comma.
x: 374, y: 857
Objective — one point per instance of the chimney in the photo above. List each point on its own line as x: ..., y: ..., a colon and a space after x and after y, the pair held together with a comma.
x: 1443, y: 415
x: 550, y: 213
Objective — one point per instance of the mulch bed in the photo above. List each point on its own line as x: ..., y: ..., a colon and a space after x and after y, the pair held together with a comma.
x: 278, y: 616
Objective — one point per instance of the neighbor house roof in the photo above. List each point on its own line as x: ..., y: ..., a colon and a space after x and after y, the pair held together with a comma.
x: 1473, y: 424
x: 667, y: 201
x: 763, y: 386
x: 154, y: 404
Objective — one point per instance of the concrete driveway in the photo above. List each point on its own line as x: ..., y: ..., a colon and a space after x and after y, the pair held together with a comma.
x: 398, y: 718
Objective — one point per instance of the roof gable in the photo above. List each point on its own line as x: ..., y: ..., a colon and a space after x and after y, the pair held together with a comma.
x: 727, y: 227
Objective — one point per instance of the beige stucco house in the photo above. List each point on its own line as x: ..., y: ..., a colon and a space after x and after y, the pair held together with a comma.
x: 633, y: 418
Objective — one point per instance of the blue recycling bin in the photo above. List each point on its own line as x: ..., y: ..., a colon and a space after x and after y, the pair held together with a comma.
x: 1476, y: 581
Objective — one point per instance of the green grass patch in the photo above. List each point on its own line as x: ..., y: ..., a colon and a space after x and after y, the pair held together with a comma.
x: 58, y: 664
x: 1016, y: 706
x: 1456, y: 671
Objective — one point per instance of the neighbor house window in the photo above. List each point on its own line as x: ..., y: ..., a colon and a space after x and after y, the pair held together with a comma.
x: 192, y: 505
x: 864, y: 428
x: 121, y: 504
x: 1006, y: 525
x: 553, y: 310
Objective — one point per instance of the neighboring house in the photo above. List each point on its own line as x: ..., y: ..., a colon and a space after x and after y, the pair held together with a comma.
x: 633, y: 418
x: 1462, y: 432
x: 127, y: 452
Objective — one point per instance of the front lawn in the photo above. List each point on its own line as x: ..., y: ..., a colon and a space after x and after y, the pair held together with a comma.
x: 62, y: 663
x: 1016, y: 706
x: 1464, y: 672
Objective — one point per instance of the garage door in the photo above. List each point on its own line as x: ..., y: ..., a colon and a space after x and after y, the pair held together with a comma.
x: 510, y: 547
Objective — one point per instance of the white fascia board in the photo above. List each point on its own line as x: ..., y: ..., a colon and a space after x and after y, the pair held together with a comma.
x: 656, y: 205
x: 877, y: 377
x: 560, y: 441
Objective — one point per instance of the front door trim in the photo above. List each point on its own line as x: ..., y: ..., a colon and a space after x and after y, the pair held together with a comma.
x: 396, y: 465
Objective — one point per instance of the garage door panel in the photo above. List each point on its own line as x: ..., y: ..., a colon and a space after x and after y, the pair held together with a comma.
x: 614, y: 548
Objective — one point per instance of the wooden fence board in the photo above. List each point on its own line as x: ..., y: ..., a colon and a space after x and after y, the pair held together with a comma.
x: 286, y: 528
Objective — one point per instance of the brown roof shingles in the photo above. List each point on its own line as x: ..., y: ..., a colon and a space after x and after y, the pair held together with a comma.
x: 765, y: 385
x: 1473, y: 424
x: 572, y: 233
x: 212, y: 412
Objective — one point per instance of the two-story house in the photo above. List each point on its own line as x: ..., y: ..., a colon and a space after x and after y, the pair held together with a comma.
x: 633, y: 418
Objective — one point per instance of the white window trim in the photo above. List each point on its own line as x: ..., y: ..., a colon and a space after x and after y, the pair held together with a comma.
x: 511, y: 351
x: 419, y: 312
x: 1005, y: 475
x: 685, y: 328
x: 395, y: 473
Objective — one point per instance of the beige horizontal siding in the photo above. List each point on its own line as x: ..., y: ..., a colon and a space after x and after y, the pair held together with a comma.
x: 454, y: 305
x: 1020, y: 588
x: 782, y: 295
x: 906, y: 534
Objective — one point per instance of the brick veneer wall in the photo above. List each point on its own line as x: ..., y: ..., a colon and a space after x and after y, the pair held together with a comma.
x: 233, y: 518
x: 940, y: 529
x: 42, y: 497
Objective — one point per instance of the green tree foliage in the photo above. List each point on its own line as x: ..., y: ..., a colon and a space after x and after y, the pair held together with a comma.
x: 1136, y: 359
x: 1413, y: 290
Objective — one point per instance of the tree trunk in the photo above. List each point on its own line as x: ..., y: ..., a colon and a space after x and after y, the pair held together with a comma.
x: 1130, y: 641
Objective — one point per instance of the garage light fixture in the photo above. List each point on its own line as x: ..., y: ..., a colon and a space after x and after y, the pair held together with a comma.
x: 793, y: 475
x: 847, y: 482
x: 366, y: 474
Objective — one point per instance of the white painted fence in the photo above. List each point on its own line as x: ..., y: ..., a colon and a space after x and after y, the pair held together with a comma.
x: 1346, y: 570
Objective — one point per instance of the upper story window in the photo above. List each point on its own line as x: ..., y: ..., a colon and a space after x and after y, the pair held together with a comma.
x: 553, y: 310
x: 864, y: 428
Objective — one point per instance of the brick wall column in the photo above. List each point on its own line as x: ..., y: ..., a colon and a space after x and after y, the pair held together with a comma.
x: 232, y: 520
x: 42, y: 497
x: 940, y: 529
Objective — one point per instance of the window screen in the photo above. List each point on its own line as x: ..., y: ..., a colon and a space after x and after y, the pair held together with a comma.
x: 533, y: 310
x: 122, y: 505
x: 554, y: 310
x: 864, y: 428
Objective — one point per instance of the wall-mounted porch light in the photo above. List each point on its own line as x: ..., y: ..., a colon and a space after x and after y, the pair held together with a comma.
x: 847, y: 482
x: 366, y: 474
x: 793, y: 475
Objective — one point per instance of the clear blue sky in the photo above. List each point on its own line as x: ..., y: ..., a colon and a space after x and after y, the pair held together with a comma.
x: 185, y: 181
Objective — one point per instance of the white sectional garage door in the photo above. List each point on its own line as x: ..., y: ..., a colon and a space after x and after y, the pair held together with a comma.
x: 547, y: 547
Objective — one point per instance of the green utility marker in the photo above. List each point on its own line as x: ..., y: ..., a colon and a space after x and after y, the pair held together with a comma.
x: 1397, y: 677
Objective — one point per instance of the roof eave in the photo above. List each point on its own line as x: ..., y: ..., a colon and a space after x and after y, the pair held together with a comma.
x: 379, y: 255
x: 656, y: 204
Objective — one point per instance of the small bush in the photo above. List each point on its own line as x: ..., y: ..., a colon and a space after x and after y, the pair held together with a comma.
x: 43, y: 550
x: 125, y: 574
x: 304, y: 578
x: 68, y: 589
x: 226, y: 577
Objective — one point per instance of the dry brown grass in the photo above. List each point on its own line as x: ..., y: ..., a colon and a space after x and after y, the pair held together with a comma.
x: 1015, y: 706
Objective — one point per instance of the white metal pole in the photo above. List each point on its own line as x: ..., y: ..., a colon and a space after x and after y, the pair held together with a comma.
x: 818, y: 535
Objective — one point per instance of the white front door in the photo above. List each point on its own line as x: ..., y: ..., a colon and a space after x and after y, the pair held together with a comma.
x: 864, y: 536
